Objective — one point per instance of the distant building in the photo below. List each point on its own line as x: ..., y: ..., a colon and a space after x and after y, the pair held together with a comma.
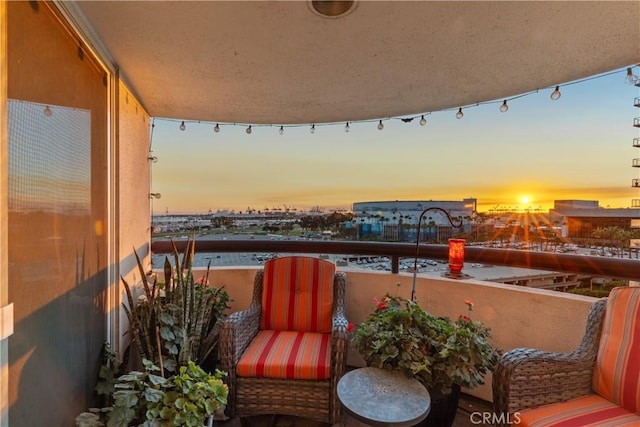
x: 580, y: 218
x: 397, y: 220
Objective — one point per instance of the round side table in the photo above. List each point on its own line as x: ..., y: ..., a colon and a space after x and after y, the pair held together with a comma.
x: 383, y: 398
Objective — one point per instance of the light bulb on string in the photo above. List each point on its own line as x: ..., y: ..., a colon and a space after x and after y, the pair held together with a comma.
x: 504, y: 107
x: 346, y: 127
x: 281, y: 131
x: 423, y: 121
x: 216, y: 128
x: 313, y: 129
x: 555, y: 95
x: 182, y: 126
x: 47, y: 111
x: 630, y: 79
x: 248, y: 130
x: 459, y: 114
x: 380, y: 125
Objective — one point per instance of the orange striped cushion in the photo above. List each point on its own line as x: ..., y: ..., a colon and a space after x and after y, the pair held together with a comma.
x: 616, y: 376
x: 588, y: 411
x: 287, y: 354
x: 297, y: 294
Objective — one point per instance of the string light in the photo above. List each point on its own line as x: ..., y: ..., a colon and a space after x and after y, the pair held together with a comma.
x: 313, y: 128
x: 630, y: 79
x: 47, y: 111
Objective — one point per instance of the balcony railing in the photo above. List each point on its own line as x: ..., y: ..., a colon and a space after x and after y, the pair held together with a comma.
x: 620, y: 268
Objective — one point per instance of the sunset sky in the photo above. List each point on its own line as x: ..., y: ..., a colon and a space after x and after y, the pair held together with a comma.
x: 578, y: 147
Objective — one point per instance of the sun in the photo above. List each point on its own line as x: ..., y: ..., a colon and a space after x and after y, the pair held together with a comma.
x: 525, y: 200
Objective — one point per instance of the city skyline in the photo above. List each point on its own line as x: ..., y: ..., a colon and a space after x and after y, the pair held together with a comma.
x: 578, y: 147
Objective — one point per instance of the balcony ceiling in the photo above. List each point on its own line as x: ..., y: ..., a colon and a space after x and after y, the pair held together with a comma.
x: 278, y: 62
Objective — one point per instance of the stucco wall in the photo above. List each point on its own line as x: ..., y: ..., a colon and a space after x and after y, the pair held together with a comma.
x: 134, y: 212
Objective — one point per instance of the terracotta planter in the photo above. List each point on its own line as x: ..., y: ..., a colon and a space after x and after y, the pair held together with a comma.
x: 443, y: 408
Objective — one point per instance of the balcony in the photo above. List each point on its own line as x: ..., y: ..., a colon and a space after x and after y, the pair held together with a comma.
x: 518, y: 316
x: 81, y: 81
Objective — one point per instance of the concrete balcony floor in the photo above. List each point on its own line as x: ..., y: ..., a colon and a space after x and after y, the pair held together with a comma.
x: 466, y: 406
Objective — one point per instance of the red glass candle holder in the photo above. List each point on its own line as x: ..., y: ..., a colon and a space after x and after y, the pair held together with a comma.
x: 456, y: 255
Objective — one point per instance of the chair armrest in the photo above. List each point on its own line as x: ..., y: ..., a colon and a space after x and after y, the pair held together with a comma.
x: 525, y: 377
x: 236, y: 334
x: 339, y: 338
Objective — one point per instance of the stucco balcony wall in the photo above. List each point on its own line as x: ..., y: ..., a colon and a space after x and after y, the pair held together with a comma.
x: 517, y: 316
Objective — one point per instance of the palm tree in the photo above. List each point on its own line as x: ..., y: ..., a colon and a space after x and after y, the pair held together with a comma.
x: 430, y: 226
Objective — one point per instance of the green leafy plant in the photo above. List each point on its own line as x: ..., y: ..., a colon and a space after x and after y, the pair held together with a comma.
x: 190, y: 396
x: 144, y: 398
x: 177, y: 320
x: 400, y: 335
x: 174, y: 325
x: 110, y: 369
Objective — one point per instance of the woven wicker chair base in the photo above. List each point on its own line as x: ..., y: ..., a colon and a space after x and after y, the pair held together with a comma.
x: 307, y: 399
x: 524, y: 377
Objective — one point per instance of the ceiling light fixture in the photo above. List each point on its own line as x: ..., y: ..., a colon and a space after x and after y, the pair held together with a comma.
x: 504, y: 107
x: 313, y: 129
x: 47, y: 111
x: 248, y: 130
x: 182, y: 126
x: 555, y: 95
x: 423, y: 121
x: 216, y: 128
x: 380, y: 125
x: 346, y: 127
x: 332, y: 8
x: 281, y: 131
x: 459, y: 114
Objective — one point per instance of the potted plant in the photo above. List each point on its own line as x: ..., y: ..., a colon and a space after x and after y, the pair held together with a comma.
x: 174, y: 326
x: 443, y: 355
x: 178, y: 319
x: 144, y: 398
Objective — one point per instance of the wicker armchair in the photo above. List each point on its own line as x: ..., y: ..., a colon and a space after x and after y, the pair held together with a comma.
x: 264, y: 376
x: 538, y: 385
